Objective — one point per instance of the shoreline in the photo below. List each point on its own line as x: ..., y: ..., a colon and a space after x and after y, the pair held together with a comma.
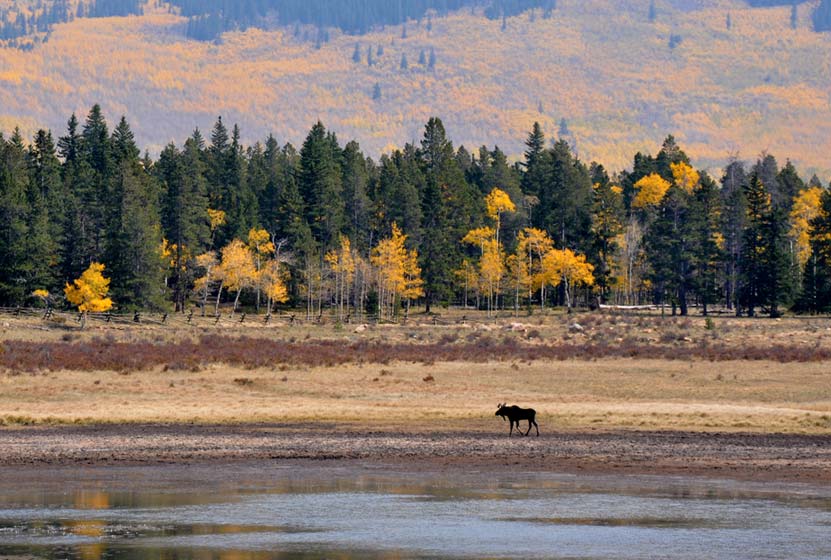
x: 742, y: 456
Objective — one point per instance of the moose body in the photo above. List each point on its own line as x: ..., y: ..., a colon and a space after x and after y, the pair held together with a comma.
x: 514, y: 414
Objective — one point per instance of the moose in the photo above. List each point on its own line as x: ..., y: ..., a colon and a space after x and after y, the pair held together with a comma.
x: 514, y: 414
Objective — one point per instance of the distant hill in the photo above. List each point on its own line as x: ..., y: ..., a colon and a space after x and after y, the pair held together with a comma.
x: 609, y: 75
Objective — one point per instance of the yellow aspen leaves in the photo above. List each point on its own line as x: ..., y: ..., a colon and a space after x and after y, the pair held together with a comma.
x: 42, y: 294
x: 651, y: 190
x: 684, y: 176
x: 806, y: 207
x: 89, y: 292
x: 399, y: 275
x: 563, y: 265
x: 217, y: 218
x: 478, y: 236
x: 237, y: 269
x: 498, y: 202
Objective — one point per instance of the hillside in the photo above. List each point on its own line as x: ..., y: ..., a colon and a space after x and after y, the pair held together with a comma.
x: 599, y: 64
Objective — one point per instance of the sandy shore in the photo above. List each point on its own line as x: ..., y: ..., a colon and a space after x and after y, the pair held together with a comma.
x: 743, y: 456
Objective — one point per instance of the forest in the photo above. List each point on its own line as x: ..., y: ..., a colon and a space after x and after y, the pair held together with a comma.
x: 326, y: 227
x: 208, y: 19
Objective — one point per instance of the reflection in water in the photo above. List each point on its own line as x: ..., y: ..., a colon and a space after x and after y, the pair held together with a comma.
x: 267, y: 514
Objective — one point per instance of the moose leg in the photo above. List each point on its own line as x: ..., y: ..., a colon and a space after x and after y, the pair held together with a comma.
x: 536, y: 426
x: 510, y: 433
x: 529, y: 427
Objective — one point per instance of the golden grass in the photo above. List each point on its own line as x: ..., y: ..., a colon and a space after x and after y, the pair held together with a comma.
x: 567, y: 395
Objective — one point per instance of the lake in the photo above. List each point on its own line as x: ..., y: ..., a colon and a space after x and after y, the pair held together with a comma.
x: 306, y: 511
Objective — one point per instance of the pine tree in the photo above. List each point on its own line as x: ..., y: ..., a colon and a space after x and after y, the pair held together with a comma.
x: 376, y: 92
x: 14, y: 214
x: 707, y: 255
x: 754, y: 239
x: 356, y: 54
x: 134, y: 237
x: 355, y: 180
x: 431, y: 63
x: 733, y: 222
x: 653, y: 13
x: 816, y: 278
x: 794, y: 16
x: 184, y: 211
x: 320, y: 186
x: 449, y: 209
x: 403, y: 65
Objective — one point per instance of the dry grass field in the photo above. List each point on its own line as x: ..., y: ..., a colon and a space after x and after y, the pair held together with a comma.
x: 486, y: 361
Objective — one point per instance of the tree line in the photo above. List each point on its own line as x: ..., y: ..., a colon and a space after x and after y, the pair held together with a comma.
x: 327, y: 227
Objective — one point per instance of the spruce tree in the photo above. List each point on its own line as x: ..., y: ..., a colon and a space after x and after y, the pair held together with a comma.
x: 134, y: 238
x: 14, y: 218
x: 320, y: 186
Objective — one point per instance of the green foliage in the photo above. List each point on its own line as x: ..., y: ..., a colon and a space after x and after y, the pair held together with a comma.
x: 149, y: 222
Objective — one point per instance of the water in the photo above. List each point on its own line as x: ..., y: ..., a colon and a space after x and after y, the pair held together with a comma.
x: 257, y: 512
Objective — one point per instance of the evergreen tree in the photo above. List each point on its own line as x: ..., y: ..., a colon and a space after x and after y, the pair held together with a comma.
x: 448, y: 208
x: 707, y: 256
x: 184, y: 213
x: 431, y: 63
x: 14, y: 215
x: 670, y: 249
x: 422, y: 58
x: 652, y: 11
x: 794, y: 16
x: 607, y: 224
x: 355, y: 179
x: 376, y: 92
x: 403, y: 65
x: 816, y: 278
x: 47, y: 202
x: 134, y: 238
x: 765, y: 265
x: 356, y: 54
x: 733, y: 223
x: 320, y: 186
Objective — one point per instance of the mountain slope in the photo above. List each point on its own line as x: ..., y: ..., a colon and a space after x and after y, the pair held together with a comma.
x: 599, y: 64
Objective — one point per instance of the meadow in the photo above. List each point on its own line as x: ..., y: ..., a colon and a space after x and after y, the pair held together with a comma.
x: 588, y: 371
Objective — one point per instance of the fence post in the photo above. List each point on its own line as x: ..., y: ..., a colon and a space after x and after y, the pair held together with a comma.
x: 267, y: 318
x: 164, y: 318
x: 136, y: 317
x: 242, y: 319
x: 190, y: 316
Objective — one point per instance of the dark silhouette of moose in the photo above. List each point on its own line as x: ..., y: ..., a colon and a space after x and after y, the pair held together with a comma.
x: 514, y: 414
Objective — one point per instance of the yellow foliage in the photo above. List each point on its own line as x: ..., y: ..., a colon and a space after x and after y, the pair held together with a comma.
x: 713, y: 84
x: 217, y: 218
x: 342, y: 261
x: 497, y: 202
x: 237, y: 269
x: 651, y: 190
x: 273, y: 281
x: 478, y: 236
x: 42, y: 294
x: 89, y: 292
x: 684, y: 176
x: 399, y: 275
x: 259, y: 241
x: 564, y: 265
x: 806, y: 207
